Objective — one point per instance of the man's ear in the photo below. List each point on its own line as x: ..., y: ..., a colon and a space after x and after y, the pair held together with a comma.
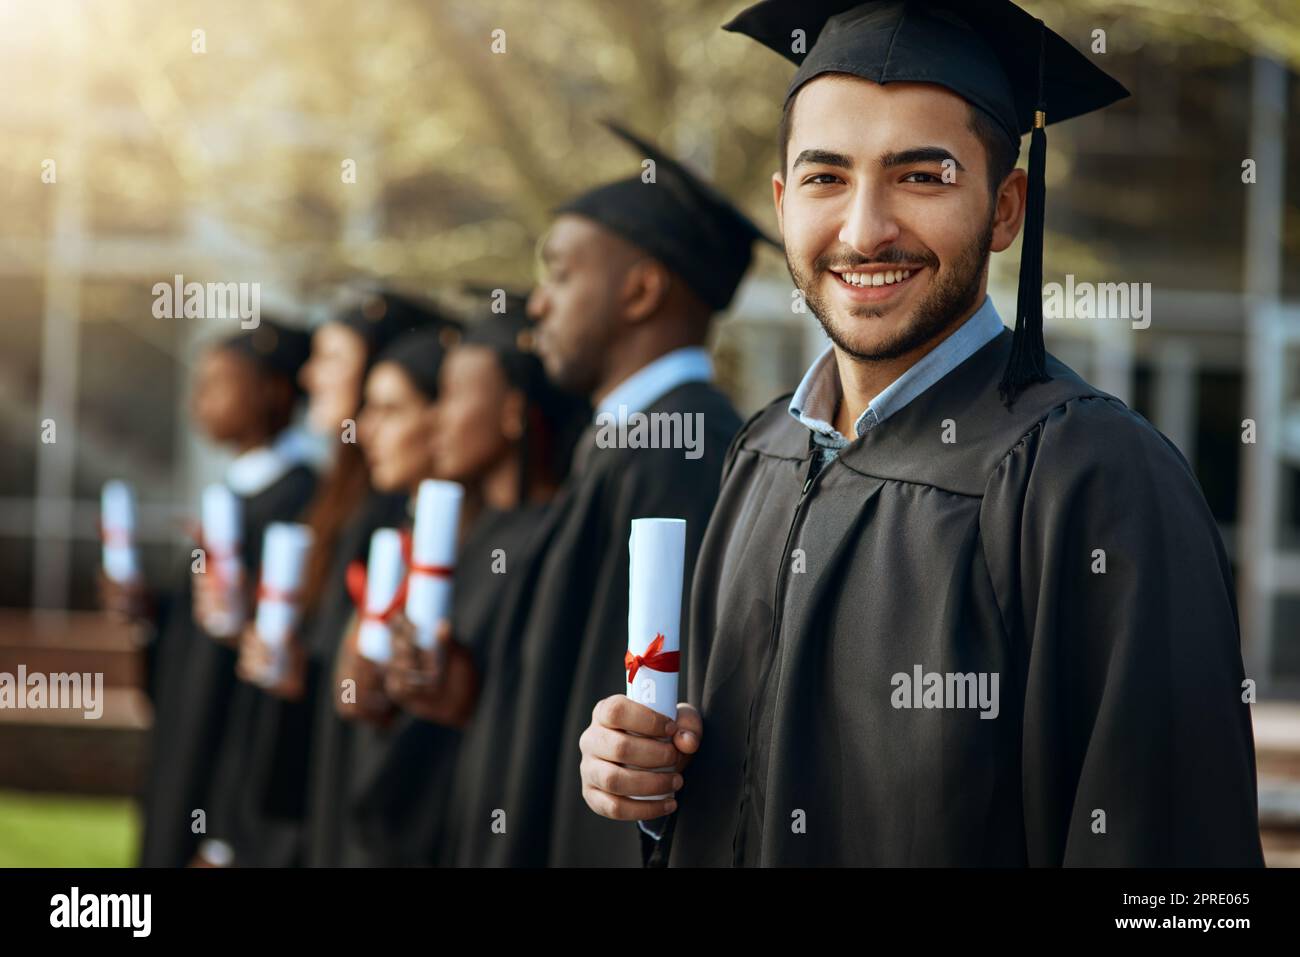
x: 1009, y: 209
x: 645, y: 286
x: 778, y: 193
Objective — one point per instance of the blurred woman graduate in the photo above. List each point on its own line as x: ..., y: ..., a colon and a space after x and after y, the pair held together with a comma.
x: 272, y: 805
x: 244, y: 396
x: 353, y: 717
x: 505, y: 434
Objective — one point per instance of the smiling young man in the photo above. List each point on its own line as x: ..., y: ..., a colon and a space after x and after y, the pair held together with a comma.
x: 954, y: 606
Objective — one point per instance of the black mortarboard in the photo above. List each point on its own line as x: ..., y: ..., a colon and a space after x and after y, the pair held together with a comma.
x: 991, y: 53
x: 384, y: 316
x: 679, y: 219
x: 420, y: 354
x: 275, y: 346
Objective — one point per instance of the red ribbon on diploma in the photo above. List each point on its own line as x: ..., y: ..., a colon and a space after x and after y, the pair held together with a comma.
x: 118, y: 537
x: 356, y: 581
x: 267, y: 593
x: 655, y: 658
x: 412, y: 568
x: 357, y: 589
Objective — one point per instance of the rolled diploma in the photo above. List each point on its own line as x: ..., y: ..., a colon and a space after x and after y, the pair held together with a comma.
x: 221, y: 514
x: 284, y: 562
x: 657, y: 548
x: 384, y: 572
x: 433, y: 558
x: 117, y: 524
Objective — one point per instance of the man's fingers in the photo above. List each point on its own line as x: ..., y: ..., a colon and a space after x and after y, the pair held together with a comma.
x: 622, y: 748
x: 628, y: 782
x: 619, y: 808
x: 690, y: 729
x: 621, y: 712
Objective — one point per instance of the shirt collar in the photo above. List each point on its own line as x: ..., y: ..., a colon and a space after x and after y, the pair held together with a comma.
x: 254, y: 471
x: 656, y: 379
x: 818, y: 397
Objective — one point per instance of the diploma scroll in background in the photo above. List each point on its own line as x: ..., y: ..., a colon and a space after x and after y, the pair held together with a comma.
x: 221, y: 520
x: 385, y: 570
x: 433, y: 558
x: 285, y: 548
x: 117, y: 528
x: 657, y: 553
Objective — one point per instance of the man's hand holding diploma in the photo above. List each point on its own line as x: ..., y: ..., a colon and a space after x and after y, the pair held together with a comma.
x: 625, y: 737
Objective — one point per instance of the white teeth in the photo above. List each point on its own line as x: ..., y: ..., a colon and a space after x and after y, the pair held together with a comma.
x: 886, y: 278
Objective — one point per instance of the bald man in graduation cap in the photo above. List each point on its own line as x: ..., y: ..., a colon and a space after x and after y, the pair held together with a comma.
x: 955, y: 606
x: 633, y: 272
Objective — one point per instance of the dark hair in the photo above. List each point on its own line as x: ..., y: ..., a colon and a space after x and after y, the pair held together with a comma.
x: 1001, y: 152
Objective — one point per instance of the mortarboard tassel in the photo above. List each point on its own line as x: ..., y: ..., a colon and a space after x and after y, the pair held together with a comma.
x: 1028, y: 361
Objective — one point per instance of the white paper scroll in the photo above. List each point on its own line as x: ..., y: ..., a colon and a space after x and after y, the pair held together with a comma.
x: 433, y: 558
x: 279, y: 596
x: 384, y: 573
x: 654, y: 607
x: 657, y: 549
x: 117, y: 529
x: 221, y: 519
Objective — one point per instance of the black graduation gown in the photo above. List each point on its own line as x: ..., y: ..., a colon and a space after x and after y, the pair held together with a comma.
x: 1121, y: 737
x: 330, y: 739
x: 196, y: 684
x: 400, y: 812
x: 569, y: 625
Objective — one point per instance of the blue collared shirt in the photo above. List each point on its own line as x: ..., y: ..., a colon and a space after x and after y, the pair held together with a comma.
x: 655, y: 380
x: 819, y: 394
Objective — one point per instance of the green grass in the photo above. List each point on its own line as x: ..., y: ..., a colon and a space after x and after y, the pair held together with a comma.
x: 57, y: 830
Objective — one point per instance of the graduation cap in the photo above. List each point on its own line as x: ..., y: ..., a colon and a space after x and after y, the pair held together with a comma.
x: 274, y: 346
x: 678, y: 219
x: 991, y: 53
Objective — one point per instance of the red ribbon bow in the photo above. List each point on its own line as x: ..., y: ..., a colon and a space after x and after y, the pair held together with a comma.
x: 357, y: 589
x: 655, y: 658
x: 356, y: 581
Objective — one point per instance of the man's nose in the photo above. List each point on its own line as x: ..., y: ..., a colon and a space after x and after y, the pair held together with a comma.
x: 870, y: 223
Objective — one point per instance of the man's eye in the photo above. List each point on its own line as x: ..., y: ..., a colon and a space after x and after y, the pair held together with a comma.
x: 924, y: 178
x: 821, y: 179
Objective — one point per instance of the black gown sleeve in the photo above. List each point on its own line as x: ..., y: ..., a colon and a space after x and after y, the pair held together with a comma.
x: 1114, y: 586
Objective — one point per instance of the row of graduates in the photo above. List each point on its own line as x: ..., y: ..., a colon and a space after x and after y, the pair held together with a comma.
x: 464, y: 754
x: 835, y: 541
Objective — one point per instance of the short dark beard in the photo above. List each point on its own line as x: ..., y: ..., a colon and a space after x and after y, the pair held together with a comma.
x: 948, y: 300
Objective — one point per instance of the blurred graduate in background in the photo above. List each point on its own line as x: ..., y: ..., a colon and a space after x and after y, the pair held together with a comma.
x: 244, y: 396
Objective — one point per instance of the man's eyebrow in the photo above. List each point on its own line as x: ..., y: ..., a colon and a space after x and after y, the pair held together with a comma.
x: 919, y: 154
x: 822, y: 158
